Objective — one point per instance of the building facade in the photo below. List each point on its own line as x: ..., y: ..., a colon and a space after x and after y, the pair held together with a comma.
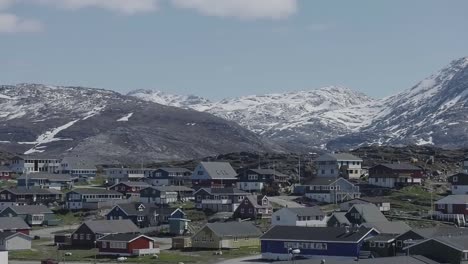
x: 329, y: 190
x: 255, y: 180
x: 339, y: 165
x: 214, y: 175
x: 219, y: 199
x: 29, y: 164
x: 395, y: 175
x: 87, y: 198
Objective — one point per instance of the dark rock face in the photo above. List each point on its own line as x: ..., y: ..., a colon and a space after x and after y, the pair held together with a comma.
x: 112, y: 127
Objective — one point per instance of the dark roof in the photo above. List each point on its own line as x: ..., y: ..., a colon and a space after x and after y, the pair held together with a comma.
x: 334, y: 234
x: 459, y: 242
x: 5, y: 169
x: 7, y: 234
x: 374, y: 199
x: 416, y: 259
x: 122, y: 237
x: 112, y: 226
x: 94, y: 191
x: 172, y: 188
x: 268, y: 172
x: 7, y: 223
x: 454, y: 199
x: 369, y: 212
x: 338, y: 157
x: 30, y: 209
x: 441, y: 231
x: 32, y: 191
x: 325, y: 181
x: 180, y: 170
x: 79, y: 163
x: 132, y: 208
x: 223, y: 191
x: 400, y: 166
x: 387, y: 227
x: 382, y: 238
x: 219, y: 170
x: 46, y: 176
x: 239, y: 229
x: 256, y: 201
x: 305, y: 211
x: 132, y: 184
x: 341, y: 218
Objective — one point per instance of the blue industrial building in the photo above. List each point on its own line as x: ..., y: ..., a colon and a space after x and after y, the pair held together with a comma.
x: 313, y: 241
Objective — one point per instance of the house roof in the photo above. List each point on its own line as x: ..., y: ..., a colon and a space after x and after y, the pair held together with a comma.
x: 132, y: 184
x: 223, y: 191
x: 399, y: 166
x: 30, y: 209
x: 341, y: 218
x: 268, y: 172
x: 441, y: 231
x: 123, y: 237
x: 32, y: 191
x: 46, y: 176
x: 170, y: 169
x: 94, y: 191
x: 305, y: 211
x: 369, y: 212
x: 79, y: 163
x: 132, y: 208
x: 219, y: 170
x: 338, y: 157
x: 459, y: 243
x: 5, y: 169
x: 7, y: 223
x: 305, y: 233
x: 112, y: 226
x: 387, y: 238
x: 326, y: 181
x: 9, y: 234
x: 415, y: 259
x: 256, y: 201
x: 238, y: 229
x: 172, y: 188
x: 454, y: 199
x: 387, y: 227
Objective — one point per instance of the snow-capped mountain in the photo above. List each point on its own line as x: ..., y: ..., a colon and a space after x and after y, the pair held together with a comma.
x: 434, y: 111
x: 52, y: 120
x: 182, y: 101
x: 303, y: 117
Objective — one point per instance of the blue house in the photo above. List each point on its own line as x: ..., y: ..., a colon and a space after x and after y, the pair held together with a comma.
x: 313, y: 242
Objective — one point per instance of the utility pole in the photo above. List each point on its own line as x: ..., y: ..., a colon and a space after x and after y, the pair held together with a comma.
x: 299, y: 172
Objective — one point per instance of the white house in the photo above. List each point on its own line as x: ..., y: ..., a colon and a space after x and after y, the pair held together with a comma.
x: 330, y: 190
x: 78, y: 166
x: 299, y: 216
x: 339, y: 165
x: 117, y: 175
x: 29, y: 164
x: 11, y: 241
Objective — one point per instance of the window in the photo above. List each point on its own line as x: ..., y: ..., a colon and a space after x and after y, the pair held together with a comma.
x: 441, y: 206
x: 372, y: 244
x: 381, y: 245
x: 399, y: 243
x: 242, y: 210
x: 88, y: 236
x: 104, y: 244
x: 323, y: 171
x: 455, y: 179
x: 278, y: 218
x: 82, y: 236
x: 332, y: 171
x: 75, y: 236
x: 121, y: 245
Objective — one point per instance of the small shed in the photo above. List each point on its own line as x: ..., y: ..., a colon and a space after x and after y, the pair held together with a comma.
x: 181, y: 242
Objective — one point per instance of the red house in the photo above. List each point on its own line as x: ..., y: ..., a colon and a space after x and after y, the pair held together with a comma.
x: 129, y: 189
x: 5, y: 173
x: 394, y: 175
x: 453, y: 204
x: 14, y: 224
x: 127, y: 245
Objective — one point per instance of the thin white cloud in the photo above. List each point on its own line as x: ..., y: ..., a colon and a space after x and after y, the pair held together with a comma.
x: 244, y: 9
x: 10, y: 23
x: 129, y: 7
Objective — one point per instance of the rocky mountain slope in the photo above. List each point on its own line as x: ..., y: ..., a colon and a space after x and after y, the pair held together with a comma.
x: 299, y: 120
x: 434, y: 112
x: 51, y: 120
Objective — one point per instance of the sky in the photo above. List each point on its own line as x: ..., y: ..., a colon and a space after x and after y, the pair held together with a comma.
x: 230, y: 48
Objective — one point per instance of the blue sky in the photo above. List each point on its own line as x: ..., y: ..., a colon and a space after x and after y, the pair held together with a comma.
x: 227, y: 48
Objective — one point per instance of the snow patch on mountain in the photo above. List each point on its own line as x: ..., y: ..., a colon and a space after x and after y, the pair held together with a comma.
x: 47, y: 137
x: 125, y: 118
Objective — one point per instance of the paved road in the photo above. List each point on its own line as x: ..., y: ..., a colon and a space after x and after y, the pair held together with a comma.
x: 50, y: 231
x: 285, y: 201
x: 244, y: 260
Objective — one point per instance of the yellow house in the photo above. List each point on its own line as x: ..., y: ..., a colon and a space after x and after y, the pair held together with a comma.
x: 227, y: 235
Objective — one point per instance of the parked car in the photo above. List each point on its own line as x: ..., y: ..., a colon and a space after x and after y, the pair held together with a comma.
x: 49, y: 261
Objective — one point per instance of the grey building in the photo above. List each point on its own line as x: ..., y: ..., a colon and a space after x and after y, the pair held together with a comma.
x: 12, y: 241
x: 32, y: 214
